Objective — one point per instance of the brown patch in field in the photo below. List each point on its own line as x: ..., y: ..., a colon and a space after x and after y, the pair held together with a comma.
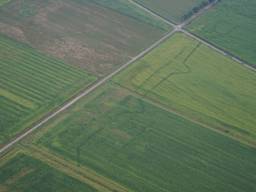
x: 87, y: 35
x: 121, y: 93
x: 12, y: 31
x: 70, y: 49
x: 3, y: 188
x: 22, y: 173
x: 70, y: 46
x: 121, y: 134
x: 42, y: 15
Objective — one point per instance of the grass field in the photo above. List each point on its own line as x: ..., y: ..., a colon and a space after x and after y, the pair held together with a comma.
x: 96, y: 35
x: 197, y: 82
x: 32, y: 84
x: 146, y: 148
x: 231, y: 26
x: 2, y: 2
x: 172, y: 10
x: 23, y: 173
x: 124, y: 7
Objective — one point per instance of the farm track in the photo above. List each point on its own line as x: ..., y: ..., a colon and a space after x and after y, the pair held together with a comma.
x: 180, y: 28
x: 177, y: 28
x: 84, y: 93
x: 83, y: 173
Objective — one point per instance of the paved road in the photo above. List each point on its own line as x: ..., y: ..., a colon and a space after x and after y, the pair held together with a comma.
x: 86, y: 92
x: 180, y: 27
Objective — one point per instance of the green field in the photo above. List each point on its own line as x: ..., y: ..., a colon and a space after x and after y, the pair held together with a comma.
x: 23, y: 173
x: 31, y: 84
x: 197, y: 82
x: 173, y: 10
x: 181, y: 118
x: 2, y: 2
x: 231, y: 26
x: 124, y: 7
x: 96, y: 35
x: 146, y: 148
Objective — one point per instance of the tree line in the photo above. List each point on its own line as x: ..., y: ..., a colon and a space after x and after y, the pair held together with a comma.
x: 197, y: 8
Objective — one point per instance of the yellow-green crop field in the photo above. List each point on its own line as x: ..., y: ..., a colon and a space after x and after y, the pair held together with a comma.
x: 199, y: 83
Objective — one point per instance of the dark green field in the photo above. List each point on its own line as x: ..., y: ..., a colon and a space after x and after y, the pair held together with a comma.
x: 197, y: 82
x: 23, y: 173
x: 146, y: 148
x: 230, y: 25
x: 173, y: 10
x: 96, y: 35
x: 32, y: 84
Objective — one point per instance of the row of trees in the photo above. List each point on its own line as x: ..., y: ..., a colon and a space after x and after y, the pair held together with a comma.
x: 197, y: 8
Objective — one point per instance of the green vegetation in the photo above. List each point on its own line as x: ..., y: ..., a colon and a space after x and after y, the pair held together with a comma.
x: 32, y: 84
x: 146, y: 148
x: 197, y: 82
x: 126, y: 8
x: 230, y: 25
x: 172, y: 10
x: 196, y: 9
x: 181, y: 118
x: 2, y: 2
x: 96, y: 35
x: 23, y: 173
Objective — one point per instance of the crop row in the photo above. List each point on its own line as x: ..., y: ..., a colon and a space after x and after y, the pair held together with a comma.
x: 35, y: 81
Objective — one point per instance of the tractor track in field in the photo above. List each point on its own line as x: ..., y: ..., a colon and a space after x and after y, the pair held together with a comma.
x: 186, y: 71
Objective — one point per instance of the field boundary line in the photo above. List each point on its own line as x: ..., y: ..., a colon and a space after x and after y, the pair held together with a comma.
x: 181, y: 27
x: 162, y: 106
x: 90, y: 89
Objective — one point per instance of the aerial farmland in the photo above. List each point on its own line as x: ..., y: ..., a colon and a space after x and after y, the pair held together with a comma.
x: 174, y: 10
x: 127, y: 96
x: 83, y: 33
x: 231, y: 26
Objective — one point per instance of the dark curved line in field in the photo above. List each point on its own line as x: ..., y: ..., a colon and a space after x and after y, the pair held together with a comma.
x: 187, y: 70
x: 159, y: 69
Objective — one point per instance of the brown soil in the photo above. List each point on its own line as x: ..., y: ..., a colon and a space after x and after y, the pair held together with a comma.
x: 12, y: 31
